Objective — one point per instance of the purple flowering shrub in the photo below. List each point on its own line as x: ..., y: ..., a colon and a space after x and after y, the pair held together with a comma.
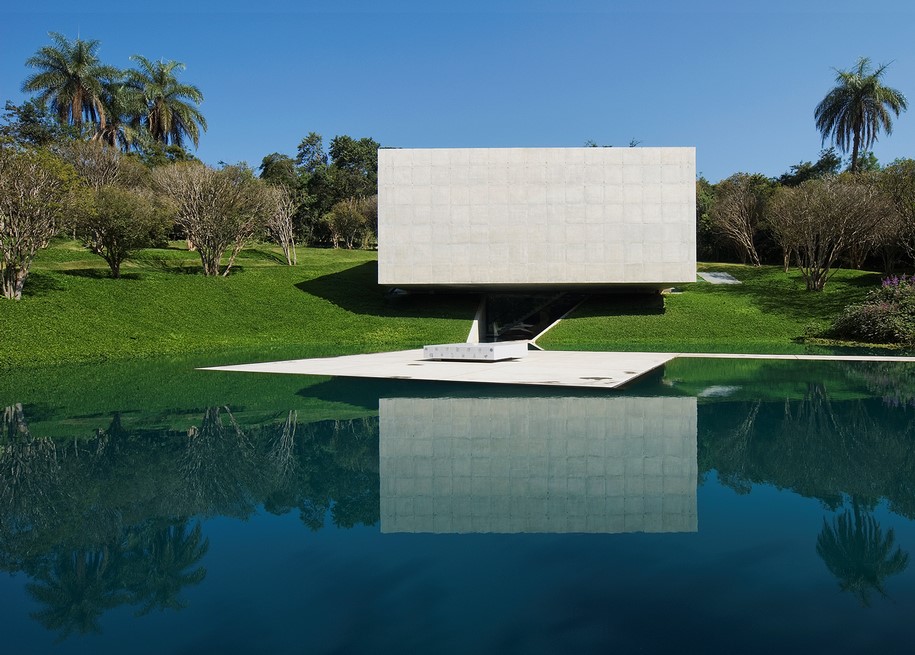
x: 887, y: 314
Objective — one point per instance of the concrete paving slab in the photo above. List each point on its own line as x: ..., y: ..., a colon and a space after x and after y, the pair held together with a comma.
x: 607, y: 370
x: 719, y: 278
x: 549, y: 368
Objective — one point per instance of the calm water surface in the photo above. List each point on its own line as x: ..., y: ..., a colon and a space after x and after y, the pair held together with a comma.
x: 735, y: 507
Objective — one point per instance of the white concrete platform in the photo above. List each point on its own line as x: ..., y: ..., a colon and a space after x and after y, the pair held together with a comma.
x: 558, y: 368
x: 548, y: 368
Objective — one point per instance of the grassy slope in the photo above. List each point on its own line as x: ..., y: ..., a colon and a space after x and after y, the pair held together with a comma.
x: 764, y: 314
x: 329, y: 304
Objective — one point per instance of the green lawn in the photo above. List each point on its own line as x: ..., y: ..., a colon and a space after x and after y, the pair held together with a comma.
x: 329, y: 304
x: 768, y: 313
x: 71, y: 311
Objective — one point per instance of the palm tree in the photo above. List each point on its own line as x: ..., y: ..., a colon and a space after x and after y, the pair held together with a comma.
x: 124, y: 108
x: 858, y: 108
x: 170, y: 111
x: 72, y: 78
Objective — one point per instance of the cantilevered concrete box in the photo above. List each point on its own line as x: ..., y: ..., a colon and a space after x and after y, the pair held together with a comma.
x: 509, y: 217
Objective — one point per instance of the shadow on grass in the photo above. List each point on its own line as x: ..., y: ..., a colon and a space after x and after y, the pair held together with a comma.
x: 621, y: 304
x: 792, y: 299
x: 264, y: 255
x: 40, y: 284
x: 100, y: 274
x: 170, y: 265
x: 356, y: 290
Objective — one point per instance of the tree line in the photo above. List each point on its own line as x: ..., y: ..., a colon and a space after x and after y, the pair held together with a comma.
x: 98, y: 153
x: 814, y: 216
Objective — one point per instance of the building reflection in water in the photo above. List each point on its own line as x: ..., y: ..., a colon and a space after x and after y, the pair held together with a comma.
x: 600, y: 465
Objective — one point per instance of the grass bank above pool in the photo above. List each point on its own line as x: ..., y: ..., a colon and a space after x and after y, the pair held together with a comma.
x: 330, y: 304
x: 768, y: 313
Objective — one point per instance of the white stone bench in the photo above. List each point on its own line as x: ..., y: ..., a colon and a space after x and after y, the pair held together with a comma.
x: 478, y: 352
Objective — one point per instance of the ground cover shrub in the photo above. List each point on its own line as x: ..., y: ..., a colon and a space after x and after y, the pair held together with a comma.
x: 887, y: 314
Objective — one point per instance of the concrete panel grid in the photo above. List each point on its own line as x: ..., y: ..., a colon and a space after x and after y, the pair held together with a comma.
x: 538, y: 464
x: 536, y: 216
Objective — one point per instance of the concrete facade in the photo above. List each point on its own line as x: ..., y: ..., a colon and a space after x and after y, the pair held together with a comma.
x: 609, y: 465
x: 536, y: 216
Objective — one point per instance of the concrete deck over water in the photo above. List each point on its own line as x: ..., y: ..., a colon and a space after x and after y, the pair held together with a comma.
x: 548, y: 368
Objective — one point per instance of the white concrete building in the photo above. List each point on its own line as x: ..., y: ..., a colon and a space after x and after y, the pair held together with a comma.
x: 536, y: 217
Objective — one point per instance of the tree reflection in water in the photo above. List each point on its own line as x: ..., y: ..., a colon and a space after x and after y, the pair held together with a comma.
x: 29, y: 475
x: 76, y: 589
x: 856, y: 551
x: 164, y: 553
x: 110, y: 515
x: 825, y: 449
x: 103, y: 519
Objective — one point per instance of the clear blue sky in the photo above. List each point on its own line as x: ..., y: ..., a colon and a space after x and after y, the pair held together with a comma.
x: 737, y: 80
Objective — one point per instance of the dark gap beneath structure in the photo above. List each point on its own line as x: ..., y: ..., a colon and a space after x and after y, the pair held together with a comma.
x: 511, y: 317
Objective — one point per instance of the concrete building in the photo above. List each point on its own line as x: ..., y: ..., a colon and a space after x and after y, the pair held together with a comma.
x: 536, y: 217
x: 574, y: 464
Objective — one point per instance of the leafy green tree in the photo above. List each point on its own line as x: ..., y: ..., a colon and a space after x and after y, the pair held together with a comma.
x: 708, y: 238
x: 120, y: 222
x: 855, y: 111
x: 352, y: 222
x: 310, y: 155
x: 829, y: 163
x: 867, y: 163
x: 355, y: 163
x: 36, y: 189
x: 155, y: 154
x: 349, y: 169
x: 71, y: 77
x: 279, y: 170
x: 170, y: 108
x: 31, y: 124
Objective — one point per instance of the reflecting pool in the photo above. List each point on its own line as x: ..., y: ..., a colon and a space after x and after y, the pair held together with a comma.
x: 743, y: 506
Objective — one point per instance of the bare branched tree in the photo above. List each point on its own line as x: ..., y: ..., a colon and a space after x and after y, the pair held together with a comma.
x: 96, y: 164
x: 36, y: 189
x: 898, y: 181
x: 219, y: 210
x: 281, y: 207
x: 738, y: 211
x: 821, y: 219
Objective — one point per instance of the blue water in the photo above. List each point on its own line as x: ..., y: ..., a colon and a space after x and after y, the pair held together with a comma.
x: 427, y: 518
